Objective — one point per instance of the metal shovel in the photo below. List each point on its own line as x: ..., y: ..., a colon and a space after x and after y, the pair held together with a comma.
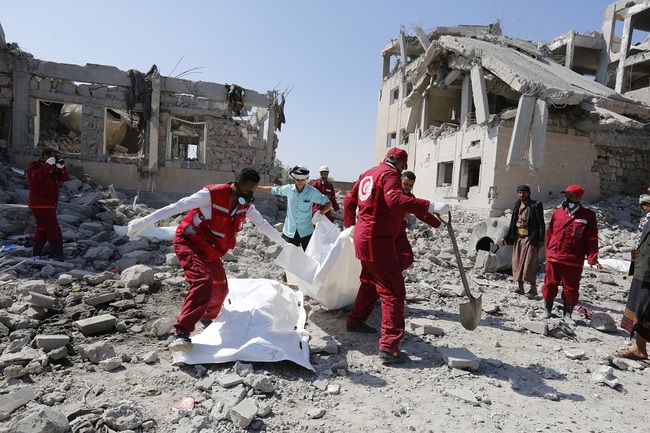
x: 470, y: 311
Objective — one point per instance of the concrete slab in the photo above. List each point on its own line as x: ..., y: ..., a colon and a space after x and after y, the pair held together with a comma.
x: 51, y: 342
x: 459, y: 357
x: 97, y: 324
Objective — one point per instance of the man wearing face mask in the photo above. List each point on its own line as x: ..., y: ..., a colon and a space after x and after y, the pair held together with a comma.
x: 216, y: 213
x: 44, y: 176
x: 375, y: 206
x: 572, y: 235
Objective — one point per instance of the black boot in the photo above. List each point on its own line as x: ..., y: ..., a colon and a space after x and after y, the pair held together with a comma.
x: 548, y: 308
x: 56, y: 250
x: 37, y: 249
x: 568, y: 309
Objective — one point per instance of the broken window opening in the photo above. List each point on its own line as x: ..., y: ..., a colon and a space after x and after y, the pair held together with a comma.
x: 121, y: 133
x: 392, y: 140
x: 394, y: 95
x: 404, y: 136
x: 470, y: 170
x: 445, y: 173
x: 5, y: 122
x: 58, y: 125
x: 186, y: 140
x: 498, y: 103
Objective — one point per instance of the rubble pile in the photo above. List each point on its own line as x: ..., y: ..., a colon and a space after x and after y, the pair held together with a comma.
x: 83, y: 342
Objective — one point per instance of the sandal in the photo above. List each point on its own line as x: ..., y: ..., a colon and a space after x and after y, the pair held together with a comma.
x: 629, y: 354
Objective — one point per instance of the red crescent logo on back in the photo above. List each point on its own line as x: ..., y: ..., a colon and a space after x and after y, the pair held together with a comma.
x: 365, y: 188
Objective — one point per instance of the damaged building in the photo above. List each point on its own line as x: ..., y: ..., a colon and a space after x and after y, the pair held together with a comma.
x: 480, y: 112
x: 136, y: 131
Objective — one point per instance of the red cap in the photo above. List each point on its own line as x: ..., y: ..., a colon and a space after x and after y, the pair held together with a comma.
x: 575, y: 189
x: 397, y: 153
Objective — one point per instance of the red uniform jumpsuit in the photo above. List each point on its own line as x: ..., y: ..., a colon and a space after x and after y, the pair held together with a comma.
x: 199, y: 249
x: 43, y: 200
x: 380, y: 202
x: 569, y: 239
x: 327, y: 189
x: 404, y: 250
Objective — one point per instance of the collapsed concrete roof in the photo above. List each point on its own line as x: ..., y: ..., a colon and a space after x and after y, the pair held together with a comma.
x: 526, y: 70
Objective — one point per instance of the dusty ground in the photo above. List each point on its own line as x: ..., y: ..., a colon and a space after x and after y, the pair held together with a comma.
x: 525, y: 381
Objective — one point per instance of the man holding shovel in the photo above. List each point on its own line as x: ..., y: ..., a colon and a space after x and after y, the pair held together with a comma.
x: 378, y: 197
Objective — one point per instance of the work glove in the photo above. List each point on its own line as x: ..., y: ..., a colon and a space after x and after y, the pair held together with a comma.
x: 136, y: 227
x: 438, y: 208
x: 60, y: 163
x: 51, y: 160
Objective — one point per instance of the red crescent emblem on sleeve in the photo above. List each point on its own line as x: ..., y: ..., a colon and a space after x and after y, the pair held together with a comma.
x: 365, y: 188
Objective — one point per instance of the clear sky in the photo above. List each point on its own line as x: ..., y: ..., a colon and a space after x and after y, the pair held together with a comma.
x: 327, y: 52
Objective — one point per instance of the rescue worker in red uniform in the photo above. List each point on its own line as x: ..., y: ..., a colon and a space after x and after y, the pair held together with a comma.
x: 572, y: 235
x: 44, y: 176
x: 327, y: 189
x: 378, y: 197
x: 216, y: 213
x: 404, y: 250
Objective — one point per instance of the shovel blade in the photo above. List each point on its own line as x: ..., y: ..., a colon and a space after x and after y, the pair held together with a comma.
x: 470, y: 313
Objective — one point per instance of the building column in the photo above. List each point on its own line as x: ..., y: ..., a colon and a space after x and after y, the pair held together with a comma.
x: 20, y: 116
x: 270, y: 135
x: 465, y: 101
x: 620, y: 86
x: 154, y: 123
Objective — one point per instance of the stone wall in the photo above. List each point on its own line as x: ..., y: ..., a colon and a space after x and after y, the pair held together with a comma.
x: 623, y: 162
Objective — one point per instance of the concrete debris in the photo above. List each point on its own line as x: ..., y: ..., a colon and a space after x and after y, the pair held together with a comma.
x: 574, y: 353
x: 14, y: 399
x: 606, y: 375
x: 41, y: 419
x: 536, y: 327
x: 460, y: 357
x: 61, y: 334
x: 463, y: 394
x: 603, y: 322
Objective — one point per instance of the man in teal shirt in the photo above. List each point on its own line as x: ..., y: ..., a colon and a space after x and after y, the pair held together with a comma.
x: 298, y: 225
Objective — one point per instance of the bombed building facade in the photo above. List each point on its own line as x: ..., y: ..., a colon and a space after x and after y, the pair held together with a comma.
x: 480, y: 113
x: 133, y: 130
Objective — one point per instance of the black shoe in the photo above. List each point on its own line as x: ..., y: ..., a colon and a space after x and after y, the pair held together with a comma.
x: 389, y: 358
x: 56, y: 251
x: 37, y: 249
x: 361, y: 328
x: 205, y: 322
x: 548, y: 308
x: 181, y: 343
x: 568, y: 310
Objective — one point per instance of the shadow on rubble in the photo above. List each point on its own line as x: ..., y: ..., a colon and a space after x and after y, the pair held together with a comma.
x: 529, y: 381
x: 360, y: 351
x: 491, y: 320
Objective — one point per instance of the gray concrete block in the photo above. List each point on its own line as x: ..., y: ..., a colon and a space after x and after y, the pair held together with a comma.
x: 459, y: 357
x: 574, y: 353
x: 230, y: 380
x: 536, y: 327
x: 51, y: 342
x: 104, y: 298
x: 425, y: 327
x: 243, y: 413
x: 97, y: 324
